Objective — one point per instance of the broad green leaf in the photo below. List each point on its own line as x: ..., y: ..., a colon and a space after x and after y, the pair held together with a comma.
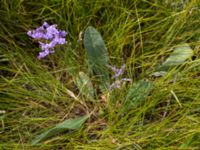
x: 138, y: 93
x: 180, y: 54
x: 69, y: 124
x: 97, y: 54
x: 85, y: 85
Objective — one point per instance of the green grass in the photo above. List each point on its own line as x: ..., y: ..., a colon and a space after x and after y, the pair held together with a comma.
x: 140, y: 33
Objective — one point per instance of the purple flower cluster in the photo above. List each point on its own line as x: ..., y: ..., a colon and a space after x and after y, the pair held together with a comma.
x: 48, y: 37
x: 118, y: 73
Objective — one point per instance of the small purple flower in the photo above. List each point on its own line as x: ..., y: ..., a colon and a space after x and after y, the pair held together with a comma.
x: 50, y: 35
x: 63, y: 33
x: 43, y: 54
x: 118, y: 72
x: 51, y: 30
x: 45, y: 25
x: 118, y: 82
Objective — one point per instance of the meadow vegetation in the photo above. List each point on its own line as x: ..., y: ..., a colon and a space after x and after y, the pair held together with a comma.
x: 36, y: 95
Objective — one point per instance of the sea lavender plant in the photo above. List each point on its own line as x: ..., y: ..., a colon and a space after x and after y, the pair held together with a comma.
x: 48, y: 37
x: 118, y: 82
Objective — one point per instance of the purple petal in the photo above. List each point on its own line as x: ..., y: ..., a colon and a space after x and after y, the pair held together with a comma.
x: 52, y: 30
x: 45, y: 25
x: 48, y: 36
x: 63, y: 33
x: 29, y: 33
x: 43, y: 54
x: 62, y: 41
x: 37, y: 35
x: 40, y: 29
x: 118, y: 72
x: 113, y: 68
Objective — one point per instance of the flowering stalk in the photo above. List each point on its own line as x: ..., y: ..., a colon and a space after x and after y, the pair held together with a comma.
x: 48, y: 37
x: 118, y: 73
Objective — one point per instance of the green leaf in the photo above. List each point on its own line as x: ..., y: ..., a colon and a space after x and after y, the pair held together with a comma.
x: 69, y: 124
x: 97, y: 54
x: 180, y: 54
x: 85, y: 85
x: 138, y: 93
